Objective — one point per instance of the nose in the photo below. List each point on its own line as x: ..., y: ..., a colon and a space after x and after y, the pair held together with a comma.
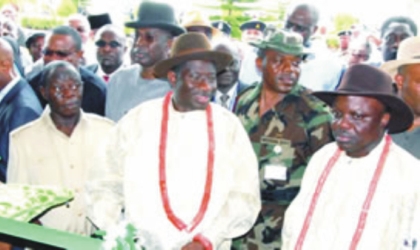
x: 207, y: 84
x: 343, y: 123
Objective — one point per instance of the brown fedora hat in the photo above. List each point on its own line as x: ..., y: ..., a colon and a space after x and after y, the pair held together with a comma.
x: 156, y: 15
x: 366, y: 80
x: 192, y: 46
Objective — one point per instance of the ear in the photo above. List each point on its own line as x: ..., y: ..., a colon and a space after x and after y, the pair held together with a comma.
x: 259, y: 63
x: 315, y: 30
x: 80, y: 53
x: 385, y: 120
x: 399, y: 81
x: 172, y: 78
x: 43, y: 92
x: 169, y: 43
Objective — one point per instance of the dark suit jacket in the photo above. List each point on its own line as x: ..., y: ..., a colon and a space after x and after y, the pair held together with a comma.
x: 94, y: 91
x: 93, y: 68
x: 18, y: 107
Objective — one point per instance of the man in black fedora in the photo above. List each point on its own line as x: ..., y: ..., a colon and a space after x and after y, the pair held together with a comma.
x: 188, y: 168
x: 155, y: 29
x: 360, y: 191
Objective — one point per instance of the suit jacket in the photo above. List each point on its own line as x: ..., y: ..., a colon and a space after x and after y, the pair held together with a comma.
x: 93, y: 68
x: 94, y: 91
x: 18, y: 107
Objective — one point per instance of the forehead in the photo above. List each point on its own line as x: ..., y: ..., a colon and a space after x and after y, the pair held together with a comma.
x: 202, y: 66
x: 301, y: 16
x: 63, y: 75
x: 364, y: 104
x: 228, y: 49
x: 110, y: 34
x: 397, y: 28
x: 60, y: 42
x: 274, y: 53
x: 76, y: 23
x: 154, y: 31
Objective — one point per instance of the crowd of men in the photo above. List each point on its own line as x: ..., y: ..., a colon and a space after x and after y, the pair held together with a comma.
x: 204, y: 142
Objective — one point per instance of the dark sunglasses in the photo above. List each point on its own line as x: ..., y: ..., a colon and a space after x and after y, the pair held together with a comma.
x: 59, y: 53
x: 112, y: 44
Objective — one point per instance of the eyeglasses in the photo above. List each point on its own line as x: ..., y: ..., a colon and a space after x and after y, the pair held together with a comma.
x: 59, y: 53
x: 112, y: 44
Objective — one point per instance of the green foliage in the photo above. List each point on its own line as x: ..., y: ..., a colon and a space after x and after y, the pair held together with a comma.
x: 66, y: 8
x: 40, y: 23
x: 343, y: 21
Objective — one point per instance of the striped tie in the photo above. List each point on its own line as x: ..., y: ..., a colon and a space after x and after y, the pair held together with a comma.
x: 224, y: 98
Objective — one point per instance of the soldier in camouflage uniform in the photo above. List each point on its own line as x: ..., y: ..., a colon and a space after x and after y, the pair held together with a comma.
x: 286, y: 125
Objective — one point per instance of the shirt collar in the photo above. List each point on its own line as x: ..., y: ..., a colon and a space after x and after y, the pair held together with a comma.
x: 46, y: 118
x: 231, y: 93
x: 8, y: 87
x: 101, y: 73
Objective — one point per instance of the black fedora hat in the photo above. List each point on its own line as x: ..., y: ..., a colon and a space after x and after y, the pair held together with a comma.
x: 156, y: 15
x: 369, y: 81
x: 97, y: 21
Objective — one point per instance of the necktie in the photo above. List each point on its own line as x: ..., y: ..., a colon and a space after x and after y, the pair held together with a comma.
x: 106, y: 78
x: 224, y: 98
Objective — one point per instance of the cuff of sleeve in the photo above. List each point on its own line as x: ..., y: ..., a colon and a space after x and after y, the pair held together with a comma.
x: 204, y: 241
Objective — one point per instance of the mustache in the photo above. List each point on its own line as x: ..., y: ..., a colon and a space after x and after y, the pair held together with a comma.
x: 341, y: 132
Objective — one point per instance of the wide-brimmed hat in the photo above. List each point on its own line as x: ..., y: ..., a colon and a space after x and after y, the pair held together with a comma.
x: 287, y: 42
x: 197, y: 18
x: 369, y: 81
x: 192, y: 46
x: 156, y: 15
x: 408, y: 53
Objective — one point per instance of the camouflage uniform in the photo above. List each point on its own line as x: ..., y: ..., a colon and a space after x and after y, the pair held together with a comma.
x: 286, y: 135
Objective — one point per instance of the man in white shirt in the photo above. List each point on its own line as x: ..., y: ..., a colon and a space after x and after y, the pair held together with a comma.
x: 57, y: 148
x: 359, y: 192
x: 182, y: 167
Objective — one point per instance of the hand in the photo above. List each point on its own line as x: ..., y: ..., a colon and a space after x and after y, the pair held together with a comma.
x: 195, y: 245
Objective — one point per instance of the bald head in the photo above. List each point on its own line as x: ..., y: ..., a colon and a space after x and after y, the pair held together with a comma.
x: 6, y: 51
x: 227, y: 46
x: 81, y: 24
x: 303, y: 18
x: 110, y: 28
x: 7, y: 72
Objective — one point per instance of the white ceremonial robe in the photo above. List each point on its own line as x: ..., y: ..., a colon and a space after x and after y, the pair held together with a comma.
x: 336, y: 215
x: 130, y: 177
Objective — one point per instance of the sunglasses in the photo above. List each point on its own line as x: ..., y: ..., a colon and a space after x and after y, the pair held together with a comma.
x: 112, y: 44
x: 59, y: 53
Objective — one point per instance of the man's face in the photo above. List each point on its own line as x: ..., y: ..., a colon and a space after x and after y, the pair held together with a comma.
x: 252, y: 35
x: 344, y: 41
x: 61, y: 47
x: 280, y: 71
x: 409, y: 87
x: 230, y: 75
x: 359, y: 124
x: 110, y: 50
x: 82, y: 28
x: 393, y: 36
x: 35, y: 49
x: 194, y: 85
x: 64, y: 94
x: 358, y: 54
x: 300, y: 21
x: 150, y: 47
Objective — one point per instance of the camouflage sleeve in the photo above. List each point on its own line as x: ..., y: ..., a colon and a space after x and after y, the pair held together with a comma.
x: 320, y: 132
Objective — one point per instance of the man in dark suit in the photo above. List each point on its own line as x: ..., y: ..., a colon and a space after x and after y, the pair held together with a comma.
x: 228, y: 85
x: 110, y: 50
x: 18, y: 103
x: 65, y: 44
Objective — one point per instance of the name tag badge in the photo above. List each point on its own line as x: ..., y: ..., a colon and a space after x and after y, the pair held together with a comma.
x: 275, y: 172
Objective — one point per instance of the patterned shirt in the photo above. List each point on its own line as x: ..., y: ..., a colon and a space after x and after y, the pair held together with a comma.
x: 284, y: 137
